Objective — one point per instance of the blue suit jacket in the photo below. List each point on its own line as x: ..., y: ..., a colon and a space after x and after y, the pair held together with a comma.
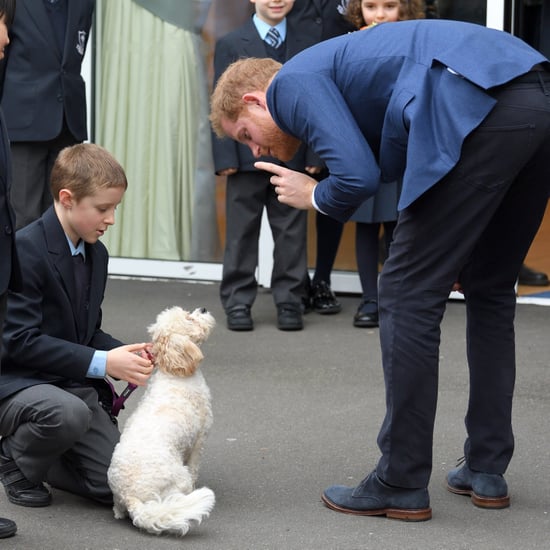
x: 41, y: 343
x: 246, y: 42
x: 381, y: 104
x: 40, y: 82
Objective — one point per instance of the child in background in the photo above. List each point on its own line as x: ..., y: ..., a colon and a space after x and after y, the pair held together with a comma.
x: 382, y: 208
x: 249, y: 191
x: 322, y: 20
x: 43, y: 95
x: 365, y: 13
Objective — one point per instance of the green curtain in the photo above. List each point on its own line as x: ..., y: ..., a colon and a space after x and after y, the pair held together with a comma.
x: 152, y: 114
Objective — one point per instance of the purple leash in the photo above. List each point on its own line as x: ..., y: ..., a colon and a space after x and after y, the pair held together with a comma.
x: 118, y: 402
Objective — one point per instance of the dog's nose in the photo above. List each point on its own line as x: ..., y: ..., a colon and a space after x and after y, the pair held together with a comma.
x: 203, y: 310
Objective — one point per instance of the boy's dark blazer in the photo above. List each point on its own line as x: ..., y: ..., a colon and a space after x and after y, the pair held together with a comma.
x: 246, y: 42
x: 40, y: 83
x: 10, y: 276
x: 41, y: 334
x: 320, y: 19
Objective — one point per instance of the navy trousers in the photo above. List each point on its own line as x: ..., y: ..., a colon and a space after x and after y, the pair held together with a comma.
x: 475, y: 226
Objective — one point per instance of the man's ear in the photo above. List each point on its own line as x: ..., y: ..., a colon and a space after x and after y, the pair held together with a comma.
x: 66, y: 198
x: 255, y: 98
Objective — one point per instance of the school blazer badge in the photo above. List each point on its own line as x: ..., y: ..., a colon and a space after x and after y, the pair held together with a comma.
x: 81, y: 44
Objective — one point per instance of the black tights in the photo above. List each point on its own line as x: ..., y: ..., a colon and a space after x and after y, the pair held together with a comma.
x: 367, y: 254
x: 329, y: 233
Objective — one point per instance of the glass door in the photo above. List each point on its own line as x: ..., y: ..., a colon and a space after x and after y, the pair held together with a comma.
x: 151, y: 73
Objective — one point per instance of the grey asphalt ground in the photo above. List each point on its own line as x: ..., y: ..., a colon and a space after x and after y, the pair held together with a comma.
x: 297, y: 412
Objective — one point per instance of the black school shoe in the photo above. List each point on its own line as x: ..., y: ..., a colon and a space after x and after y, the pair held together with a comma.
x: 530, y: 277
x: 289, y: 317
x: 8, y: 528
x: 239, y: 318
x: 367, y: 314
x: 323, y: 300
x: 19, y: 489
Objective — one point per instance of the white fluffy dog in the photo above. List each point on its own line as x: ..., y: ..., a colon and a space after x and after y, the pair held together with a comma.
x: 155, y: 465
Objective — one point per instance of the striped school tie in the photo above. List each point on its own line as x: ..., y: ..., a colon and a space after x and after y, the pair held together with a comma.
x: 273, y: 38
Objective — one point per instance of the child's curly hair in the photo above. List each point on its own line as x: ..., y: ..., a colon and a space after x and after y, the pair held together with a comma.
x: 408, y: 9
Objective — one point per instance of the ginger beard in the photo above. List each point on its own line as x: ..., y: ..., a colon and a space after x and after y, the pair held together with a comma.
x: 281, y: 145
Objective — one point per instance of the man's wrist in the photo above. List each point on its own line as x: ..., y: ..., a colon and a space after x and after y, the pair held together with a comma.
x: 313, y: 203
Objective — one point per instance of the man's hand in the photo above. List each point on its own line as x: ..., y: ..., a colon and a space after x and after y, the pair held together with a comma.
x: 130, y: 363
x: 293, y: 188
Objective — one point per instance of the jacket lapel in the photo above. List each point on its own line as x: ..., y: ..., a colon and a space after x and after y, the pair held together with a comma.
x: 253, y: 45
x: 60, y: 255
x: 96, y: 282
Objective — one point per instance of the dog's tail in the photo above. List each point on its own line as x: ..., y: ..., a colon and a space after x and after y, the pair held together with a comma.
x: 174, y: 513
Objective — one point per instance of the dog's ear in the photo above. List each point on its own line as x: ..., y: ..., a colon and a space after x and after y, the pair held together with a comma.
x: 193, y: 356
x: 177, y: 354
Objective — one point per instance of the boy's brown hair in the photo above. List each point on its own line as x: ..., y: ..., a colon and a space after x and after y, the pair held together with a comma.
x: 85, y: 168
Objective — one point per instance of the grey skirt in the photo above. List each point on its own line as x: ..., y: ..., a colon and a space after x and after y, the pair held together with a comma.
x: 382, y: 207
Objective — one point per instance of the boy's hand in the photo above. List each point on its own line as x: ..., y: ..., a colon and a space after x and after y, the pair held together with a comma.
x: 130, y: 363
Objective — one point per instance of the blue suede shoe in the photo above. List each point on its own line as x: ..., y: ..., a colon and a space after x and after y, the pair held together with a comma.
x: 373, y: 497
x: 485, y: 490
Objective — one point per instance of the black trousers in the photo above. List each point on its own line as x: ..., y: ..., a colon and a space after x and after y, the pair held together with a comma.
x: 32, y: 165
x: 475, y: 226
x: 248, y: 193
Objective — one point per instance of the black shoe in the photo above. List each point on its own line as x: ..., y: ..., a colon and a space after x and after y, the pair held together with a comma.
x: 7, y: 528
x: 239, y: 318
x: 367, y: 315
x: 323, y: 299
x: 530, y: 277
x: 19, y: 489
x: 289, y: 317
